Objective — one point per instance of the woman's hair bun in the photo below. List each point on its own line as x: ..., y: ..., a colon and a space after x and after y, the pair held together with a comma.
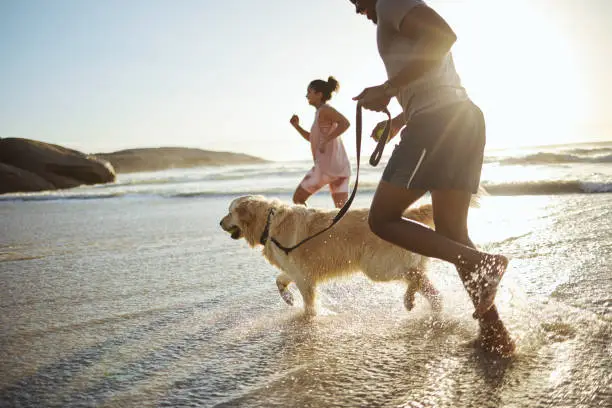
x: 333, y: 84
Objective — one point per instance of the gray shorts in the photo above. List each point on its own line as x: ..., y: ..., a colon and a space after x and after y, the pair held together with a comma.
x: 440, y: 150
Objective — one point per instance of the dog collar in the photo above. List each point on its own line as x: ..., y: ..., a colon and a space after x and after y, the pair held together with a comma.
x: 266, y: 232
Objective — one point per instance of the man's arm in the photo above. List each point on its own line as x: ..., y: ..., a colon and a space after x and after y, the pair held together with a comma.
x: 434, y: 38
x: 398, y: 122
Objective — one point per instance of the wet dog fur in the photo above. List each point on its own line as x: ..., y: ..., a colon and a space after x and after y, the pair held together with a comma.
x: 349, y: 247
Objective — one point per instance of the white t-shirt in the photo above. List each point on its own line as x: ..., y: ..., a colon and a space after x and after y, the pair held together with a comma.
x: 439, y: 87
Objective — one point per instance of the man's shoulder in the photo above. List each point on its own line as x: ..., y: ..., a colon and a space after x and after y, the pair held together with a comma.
x: 392, y: 12
x: 399, y: 4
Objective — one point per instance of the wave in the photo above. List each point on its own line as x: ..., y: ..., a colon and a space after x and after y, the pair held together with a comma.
x: 55, y: 196
x: 196, y: 175
x: 552, y: 158
x: 593, y: 152
x: 493, y: 189
x: 547, y: 188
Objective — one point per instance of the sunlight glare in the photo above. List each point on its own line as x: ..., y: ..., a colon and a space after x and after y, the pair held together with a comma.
x: 522, y: 71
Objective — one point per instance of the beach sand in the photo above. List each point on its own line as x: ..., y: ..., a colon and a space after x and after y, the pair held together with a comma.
x: 147, y: 302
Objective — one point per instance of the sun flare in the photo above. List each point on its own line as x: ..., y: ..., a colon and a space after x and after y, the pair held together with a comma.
x: 520, y: 67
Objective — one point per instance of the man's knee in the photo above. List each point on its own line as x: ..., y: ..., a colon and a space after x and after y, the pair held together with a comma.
x: 376, y: 222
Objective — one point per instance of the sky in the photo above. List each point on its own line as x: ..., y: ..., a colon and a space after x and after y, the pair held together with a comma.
x: 227, y: 75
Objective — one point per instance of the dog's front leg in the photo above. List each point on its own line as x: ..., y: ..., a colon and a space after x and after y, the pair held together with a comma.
x: 282, y: 282
x: 307, y: 289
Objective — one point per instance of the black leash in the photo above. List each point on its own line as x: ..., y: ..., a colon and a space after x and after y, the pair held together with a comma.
x: 374, y: 160
x: 266, y: 232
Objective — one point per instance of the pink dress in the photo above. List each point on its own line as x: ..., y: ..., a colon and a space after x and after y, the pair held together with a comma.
x: 330, y: 167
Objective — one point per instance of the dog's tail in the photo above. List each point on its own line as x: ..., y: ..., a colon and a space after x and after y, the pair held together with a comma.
x: 424, y: 213
x: 475, y: 200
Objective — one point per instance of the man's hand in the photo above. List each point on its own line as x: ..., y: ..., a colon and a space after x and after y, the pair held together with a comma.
x: 295, y: 120
x: 380, y: 127
x: 373, y: 98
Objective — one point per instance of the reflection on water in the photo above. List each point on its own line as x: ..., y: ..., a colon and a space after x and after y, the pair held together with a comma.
x: 155, y: 306
x: 214, y: 354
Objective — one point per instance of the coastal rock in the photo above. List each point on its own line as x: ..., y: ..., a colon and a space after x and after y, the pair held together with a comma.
x: 14, y: 179
x: 30, y: 165
x: 162, y: 158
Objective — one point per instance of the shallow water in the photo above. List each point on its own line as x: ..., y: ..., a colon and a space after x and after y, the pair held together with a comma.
x: 147, y: 302
x: 543, y: 170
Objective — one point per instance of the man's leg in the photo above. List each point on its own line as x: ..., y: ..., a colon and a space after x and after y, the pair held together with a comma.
x: 388, y: 205
x: 450, y: 213
x: 386, y: 221
x: 450, y: 218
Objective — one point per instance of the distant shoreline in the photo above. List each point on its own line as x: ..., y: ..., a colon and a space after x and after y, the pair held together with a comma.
x: 28, y: 165
x: 163, y: 158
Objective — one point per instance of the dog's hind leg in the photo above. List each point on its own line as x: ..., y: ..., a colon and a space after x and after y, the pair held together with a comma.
x: 409, y: 295
x: 419, y: 282
x: 429, y: 291
x: 282, y: 282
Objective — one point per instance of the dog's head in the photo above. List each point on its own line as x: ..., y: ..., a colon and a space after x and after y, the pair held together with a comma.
x: 246, y: 218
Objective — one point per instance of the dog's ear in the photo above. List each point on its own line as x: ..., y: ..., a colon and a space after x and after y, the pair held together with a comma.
x: 243, y: 211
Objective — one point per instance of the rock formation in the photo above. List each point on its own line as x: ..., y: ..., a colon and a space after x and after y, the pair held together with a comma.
x: 30, y: 165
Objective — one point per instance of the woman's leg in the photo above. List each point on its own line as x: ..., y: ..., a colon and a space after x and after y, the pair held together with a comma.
x: 387, y: 222
x: 339, y: 191
x: 339, y: 199
x: 309, y: 185
x: 300, y: 196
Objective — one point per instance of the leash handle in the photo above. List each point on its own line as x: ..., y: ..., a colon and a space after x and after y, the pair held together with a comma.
x: 382, y: 141
x: 374, y: 160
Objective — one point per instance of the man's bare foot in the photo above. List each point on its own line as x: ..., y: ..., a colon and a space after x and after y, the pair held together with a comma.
x: 494, y: 338
x: 488, y: 275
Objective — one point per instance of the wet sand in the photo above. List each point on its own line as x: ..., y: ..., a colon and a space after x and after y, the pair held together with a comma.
x: 146, y: 302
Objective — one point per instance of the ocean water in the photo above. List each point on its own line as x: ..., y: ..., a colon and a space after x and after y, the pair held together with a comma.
x: 567, y: 169
x: 130, y: 295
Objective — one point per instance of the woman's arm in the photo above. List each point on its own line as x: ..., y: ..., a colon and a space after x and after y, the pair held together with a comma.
x: 305, y: 134
x: 330, y: 114
x: 295, y: 122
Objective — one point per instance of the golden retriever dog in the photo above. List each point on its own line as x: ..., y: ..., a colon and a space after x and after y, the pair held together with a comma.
x: 346, y: 248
